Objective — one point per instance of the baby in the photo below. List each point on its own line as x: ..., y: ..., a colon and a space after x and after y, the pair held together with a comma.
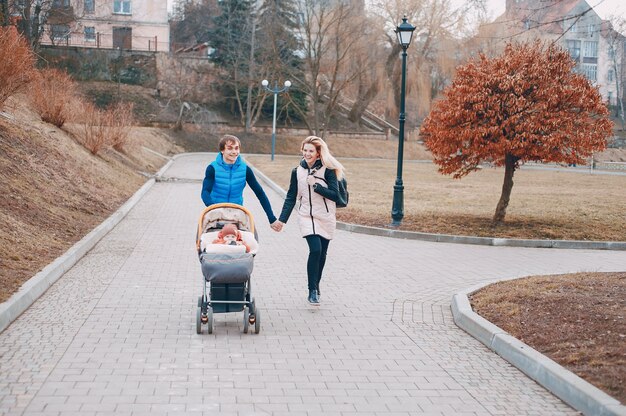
x: 230, y: 235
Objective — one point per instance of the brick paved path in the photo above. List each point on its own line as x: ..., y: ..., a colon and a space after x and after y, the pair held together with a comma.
x: 116, y: 334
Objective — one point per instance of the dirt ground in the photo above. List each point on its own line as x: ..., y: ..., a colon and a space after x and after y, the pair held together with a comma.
x: 577, y: 320
x: 55, y: 192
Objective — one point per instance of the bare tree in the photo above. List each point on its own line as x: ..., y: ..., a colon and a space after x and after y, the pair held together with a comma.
x: 368, y: 56
x: 616, y: 43
x: 180, y: 84
x: 329, y: 42
x: 431, y: 59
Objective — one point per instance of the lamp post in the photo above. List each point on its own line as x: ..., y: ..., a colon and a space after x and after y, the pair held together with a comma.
x: 404, y: 32
x: 275, y: 91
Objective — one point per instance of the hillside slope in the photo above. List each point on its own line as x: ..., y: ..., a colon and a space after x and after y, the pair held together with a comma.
x: 55, y: 192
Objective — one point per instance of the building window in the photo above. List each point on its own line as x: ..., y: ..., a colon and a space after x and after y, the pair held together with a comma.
x: 573, y: 47
x: 121, y: 6
x: 590, y: 71
x: 60, y: 3
x: 590, y: 49
x: 590, y: 52
x: 611, y: 52
x: 60, y: 32
x: 90, y: 6
x: 609, y: 97
x: 610, y: 76
x: 90, y: 34
x: 573, y: 27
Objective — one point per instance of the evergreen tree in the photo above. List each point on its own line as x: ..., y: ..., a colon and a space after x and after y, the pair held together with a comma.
x: 279, y: 54
x: 231, y: 38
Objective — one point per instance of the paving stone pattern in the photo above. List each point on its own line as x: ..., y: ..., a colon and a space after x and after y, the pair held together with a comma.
x: 116, y: 334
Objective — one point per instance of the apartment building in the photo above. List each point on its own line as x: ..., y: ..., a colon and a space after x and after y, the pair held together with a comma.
x: 113, y: 24
x: 595, y: 46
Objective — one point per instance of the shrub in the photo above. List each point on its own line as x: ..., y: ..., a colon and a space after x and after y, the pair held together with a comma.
x: 120, y: 120
x: 51, y: 95
x: 16, y: 63
x: 95, y: 129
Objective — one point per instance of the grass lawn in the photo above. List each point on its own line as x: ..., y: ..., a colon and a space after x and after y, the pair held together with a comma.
x: 570, y: 204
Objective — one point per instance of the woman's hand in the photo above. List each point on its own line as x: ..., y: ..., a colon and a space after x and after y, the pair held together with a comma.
x: 310, y: 180
x: 277, y: 226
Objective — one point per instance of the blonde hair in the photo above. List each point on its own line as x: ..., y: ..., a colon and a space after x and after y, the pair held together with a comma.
x: 328, y: 160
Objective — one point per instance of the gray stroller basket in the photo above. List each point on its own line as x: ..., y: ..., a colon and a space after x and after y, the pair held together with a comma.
x: 226, y: 270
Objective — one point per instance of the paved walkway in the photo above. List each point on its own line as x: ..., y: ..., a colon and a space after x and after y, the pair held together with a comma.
x: 116, y: 334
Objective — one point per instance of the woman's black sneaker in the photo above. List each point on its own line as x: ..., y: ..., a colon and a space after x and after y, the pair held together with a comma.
x: 313, y: 299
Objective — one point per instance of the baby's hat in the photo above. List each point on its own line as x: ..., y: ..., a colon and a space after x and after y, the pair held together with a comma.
x: 229, y: 229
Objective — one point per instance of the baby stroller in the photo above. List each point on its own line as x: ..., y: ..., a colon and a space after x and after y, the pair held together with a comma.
x: 226, y: 269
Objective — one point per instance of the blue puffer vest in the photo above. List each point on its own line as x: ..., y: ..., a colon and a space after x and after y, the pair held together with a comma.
x: 229, y: 180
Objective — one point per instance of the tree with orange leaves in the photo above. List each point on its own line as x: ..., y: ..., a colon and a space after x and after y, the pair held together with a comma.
x: 524, y: 105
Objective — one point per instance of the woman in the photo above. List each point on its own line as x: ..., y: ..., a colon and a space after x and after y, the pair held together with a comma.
x: 314, y: 186
x: 226, y: 177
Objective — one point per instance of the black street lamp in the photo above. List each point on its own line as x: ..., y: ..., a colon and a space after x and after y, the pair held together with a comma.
x: 275, y: 91
x: 404, y: 32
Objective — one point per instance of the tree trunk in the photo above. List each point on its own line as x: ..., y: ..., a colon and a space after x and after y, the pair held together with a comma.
x: 4, y: 12
x: 618, y: 93
x: 250, y: 77
x: 36, y: 28
x: 360, y: 105
x: 393, y: 75
x: 507, y: 186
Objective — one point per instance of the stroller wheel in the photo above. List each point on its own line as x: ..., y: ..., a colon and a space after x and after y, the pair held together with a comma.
x: 209, y: 316
x: 252, y: 319
x: 257, y: 322
x: 246, y: 319
x: 199, y: 320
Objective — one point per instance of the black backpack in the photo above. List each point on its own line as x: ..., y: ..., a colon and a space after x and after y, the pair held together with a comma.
x: 342, y: 185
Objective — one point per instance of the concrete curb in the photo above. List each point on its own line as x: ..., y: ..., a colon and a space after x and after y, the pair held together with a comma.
x: 561, y: 382
x: 461, y: 239
x: 37, y: 285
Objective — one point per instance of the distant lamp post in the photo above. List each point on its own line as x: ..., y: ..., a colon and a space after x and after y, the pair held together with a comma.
x: 275, y: 91
x: 404, y: 32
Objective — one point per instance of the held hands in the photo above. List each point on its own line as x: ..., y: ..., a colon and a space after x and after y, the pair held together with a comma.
x: 277, y: 226
x: 310, y: 180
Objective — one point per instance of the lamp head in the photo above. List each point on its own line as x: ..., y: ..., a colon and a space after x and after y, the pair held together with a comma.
x: 265, y: 83
x: 405, y: 32
x: 287, y: 83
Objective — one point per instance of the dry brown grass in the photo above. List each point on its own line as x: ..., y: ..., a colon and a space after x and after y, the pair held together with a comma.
x: 578, y: 320
x: 545, y: 204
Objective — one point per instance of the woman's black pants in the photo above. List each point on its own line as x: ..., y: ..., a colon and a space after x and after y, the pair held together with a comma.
x: 318, y: 246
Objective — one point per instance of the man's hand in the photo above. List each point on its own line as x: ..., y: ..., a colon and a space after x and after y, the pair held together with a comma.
x: 277, y: 226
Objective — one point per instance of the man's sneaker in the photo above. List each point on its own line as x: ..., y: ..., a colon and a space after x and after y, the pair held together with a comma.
x: 313, y: 299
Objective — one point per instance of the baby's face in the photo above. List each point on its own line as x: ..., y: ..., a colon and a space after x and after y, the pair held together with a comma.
x: 229, y: 238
